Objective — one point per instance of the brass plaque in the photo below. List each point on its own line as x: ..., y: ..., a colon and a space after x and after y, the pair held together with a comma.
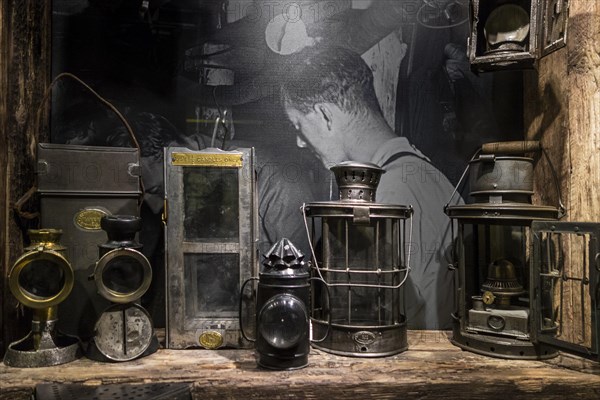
x: 211, y: 340
x: 89, y: 219
x: 206, y: 160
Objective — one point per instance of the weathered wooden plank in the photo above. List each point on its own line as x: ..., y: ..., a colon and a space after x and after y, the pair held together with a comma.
x: 432, y: 369
x: 25, y: 68
x: 562, y: 109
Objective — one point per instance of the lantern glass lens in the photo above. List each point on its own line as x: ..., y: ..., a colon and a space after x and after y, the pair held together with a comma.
x: 496, y: 279
x: 363, y: 248
x: 42, y: 278
x: 212, y: 285
x: 211, y: 197
x: 123, y: 275
x: 283, y: 321
x: 565, y: 300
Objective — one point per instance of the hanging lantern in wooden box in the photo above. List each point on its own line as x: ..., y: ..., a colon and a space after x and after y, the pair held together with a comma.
x: 513, y: 34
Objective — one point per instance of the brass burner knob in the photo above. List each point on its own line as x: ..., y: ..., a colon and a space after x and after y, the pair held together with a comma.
x: 488, y: 297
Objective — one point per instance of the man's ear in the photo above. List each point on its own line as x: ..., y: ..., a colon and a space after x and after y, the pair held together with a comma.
x: 324, y: 111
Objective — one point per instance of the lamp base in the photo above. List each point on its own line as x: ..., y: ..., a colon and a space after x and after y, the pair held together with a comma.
x: 60, y: 349
x: 500, y: 347
x: 273, y: 362
x: 359, y: 341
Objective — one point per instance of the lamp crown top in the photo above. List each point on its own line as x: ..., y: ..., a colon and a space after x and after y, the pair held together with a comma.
x: 357, y: 182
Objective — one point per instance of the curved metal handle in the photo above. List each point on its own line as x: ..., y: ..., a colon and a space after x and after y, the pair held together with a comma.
x: 240, y: 310
x: 329, y: 314
x: 462, y: 177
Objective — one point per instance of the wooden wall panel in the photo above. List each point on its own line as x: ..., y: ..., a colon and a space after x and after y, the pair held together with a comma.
x: 25, y: 39
x: 562, y: 109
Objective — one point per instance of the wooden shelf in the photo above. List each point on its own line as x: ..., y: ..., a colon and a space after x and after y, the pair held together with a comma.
x: 433, y: 368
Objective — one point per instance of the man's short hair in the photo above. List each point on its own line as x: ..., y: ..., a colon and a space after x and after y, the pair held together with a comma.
x: 330, y: 75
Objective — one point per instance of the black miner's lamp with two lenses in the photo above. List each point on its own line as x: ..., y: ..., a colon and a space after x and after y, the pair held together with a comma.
x: 124, y: 331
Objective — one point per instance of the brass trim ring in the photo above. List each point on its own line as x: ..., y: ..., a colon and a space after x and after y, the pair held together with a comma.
x: 29, y: 299
x: 121, y: 297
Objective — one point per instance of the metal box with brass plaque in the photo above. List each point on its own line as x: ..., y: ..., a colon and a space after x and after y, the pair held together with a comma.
x: 211, y: 242
x: 124, y: 331
x: 41, y: 279
x: 493, y: 255
x: 364, y: 262
x: 78, y: 185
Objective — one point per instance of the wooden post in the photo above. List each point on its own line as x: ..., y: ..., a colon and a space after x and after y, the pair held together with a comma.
x: 25, y: 39
x: 562, y: 109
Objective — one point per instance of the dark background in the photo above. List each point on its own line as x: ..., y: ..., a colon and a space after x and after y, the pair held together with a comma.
x: 146, y: 58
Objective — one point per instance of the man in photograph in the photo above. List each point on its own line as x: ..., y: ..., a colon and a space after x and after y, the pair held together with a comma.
x: 329, y: 97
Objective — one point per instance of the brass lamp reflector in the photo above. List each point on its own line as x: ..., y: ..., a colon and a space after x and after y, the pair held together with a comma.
x: 506, y: 29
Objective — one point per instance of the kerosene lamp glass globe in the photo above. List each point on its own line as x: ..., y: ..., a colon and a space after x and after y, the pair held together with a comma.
x: 507, y: 28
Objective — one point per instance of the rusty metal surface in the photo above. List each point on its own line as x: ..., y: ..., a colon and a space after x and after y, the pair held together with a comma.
x: 153, y: 391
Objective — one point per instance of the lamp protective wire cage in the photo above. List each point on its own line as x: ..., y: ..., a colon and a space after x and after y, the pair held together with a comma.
x: 360, y: 253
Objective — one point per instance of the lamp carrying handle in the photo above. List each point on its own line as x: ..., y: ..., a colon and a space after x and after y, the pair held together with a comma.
x: 512, y: 148
x: 240, y: 310
x: 329, y: 314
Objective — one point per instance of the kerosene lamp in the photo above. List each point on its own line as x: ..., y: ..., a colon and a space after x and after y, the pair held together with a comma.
x: 360, y: 253
x: 41, y: 279
x: 515, y: 33
x: 124, y: 331
x: 493, y: 274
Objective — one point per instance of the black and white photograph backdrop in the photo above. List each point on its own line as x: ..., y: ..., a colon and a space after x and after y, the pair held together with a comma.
x: 308, y: 84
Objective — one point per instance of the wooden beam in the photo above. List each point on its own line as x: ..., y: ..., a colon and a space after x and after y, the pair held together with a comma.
x: 562, y: 109
x: 432, y: 368
x: 25, y: 39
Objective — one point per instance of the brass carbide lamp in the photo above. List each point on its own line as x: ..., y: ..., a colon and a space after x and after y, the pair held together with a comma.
x: 41, y: 279
x: 359, y: 250
x: 514, y: 34
x: 124, y: 331
x: 493, y: 254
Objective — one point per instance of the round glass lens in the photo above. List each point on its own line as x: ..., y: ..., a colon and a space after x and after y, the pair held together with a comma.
x: 123, y: 275
x: 42, y: 278
x: 283, y: 321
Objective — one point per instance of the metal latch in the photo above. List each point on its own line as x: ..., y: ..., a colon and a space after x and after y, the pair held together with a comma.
x: 361, y: 215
